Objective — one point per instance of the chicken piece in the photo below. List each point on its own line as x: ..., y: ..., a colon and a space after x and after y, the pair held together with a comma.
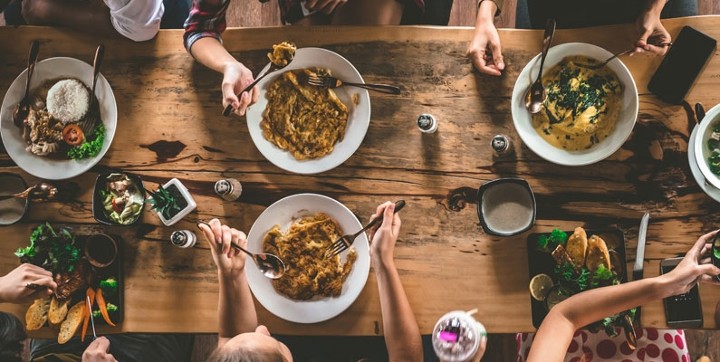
x: 598, y: 254
x: 577, y: 246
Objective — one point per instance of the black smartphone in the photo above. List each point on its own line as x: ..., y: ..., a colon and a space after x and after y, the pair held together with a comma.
x: 682, y: 65
x: 684, y: 310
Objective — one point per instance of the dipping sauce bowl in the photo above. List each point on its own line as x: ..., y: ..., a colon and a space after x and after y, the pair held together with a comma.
x: 506, y: 206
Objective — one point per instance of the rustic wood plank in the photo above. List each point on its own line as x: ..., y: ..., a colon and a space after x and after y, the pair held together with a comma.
x: 157, y: 83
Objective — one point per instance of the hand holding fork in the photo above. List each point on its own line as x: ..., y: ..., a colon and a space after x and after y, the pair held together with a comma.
x: 345, y: 241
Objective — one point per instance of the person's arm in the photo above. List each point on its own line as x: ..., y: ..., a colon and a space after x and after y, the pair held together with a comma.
x: 13, y: 286
x: 236, y: 310
x: 557, y: 329
x: 402, y: 335
x: 484, y: 49
x: 136, y: 20
x: 202, y: 40
x: 652, y: 35
x: 92, y: 16
x: 98, y: 351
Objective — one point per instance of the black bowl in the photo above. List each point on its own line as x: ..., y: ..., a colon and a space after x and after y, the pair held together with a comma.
x: 502, y: 181
x: 98, y: 209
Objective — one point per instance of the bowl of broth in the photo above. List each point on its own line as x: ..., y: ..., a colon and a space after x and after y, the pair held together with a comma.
x: 506, y: 206
x: 12, y: 209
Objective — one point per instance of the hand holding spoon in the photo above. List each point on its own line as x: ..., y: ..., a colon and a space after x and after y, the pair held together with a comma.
x: 23, y: 108
x: 536, y: 94
x: 269, y: 264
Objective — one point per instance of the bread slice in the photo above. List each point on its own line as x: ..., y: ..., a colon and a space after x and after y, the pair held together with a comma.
x: 598, y: 254
x: 577, y: 246
x: 37, y: 314
x: 74, y: 319
x: 58, y: 310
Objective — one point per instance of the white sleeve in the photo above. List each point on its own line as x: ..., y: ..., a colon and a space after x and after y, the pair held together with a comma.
x: 138, y: 20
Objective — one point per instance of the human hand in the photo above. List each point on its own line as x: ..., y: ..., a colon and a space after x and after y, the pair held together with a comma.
x: 97, y: 351
x: 229, y: 261
x: 384, y: 236
x: 653, y: 37
x: 13, y: 286
x: 235, y: 78
x: 324, y: 6
x: 695, y: 267
x: 484, y: 50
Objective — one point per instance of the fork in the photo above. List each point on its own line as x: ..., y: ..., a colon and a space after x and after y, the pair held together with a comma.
x: 321, y: 80
x: 345, y: 241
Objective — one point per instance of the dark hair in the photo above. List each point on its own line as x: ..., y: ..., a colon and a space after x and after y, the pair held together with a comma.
x: 12, y: 338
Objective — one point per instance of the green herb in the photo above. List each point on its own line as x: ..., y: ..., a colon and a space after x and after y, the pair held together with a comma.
x: 571, y: 96
x: 91, y: 147
x: 111, y: 308
x: 109, y: 285
x: 52, y: 250
x: 164, y: 202
x: 603, y: 277
x: 548, y: 242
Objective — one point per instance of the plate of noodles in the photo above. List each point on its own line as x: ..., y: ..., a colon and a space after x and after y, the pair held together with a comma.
x: 306, y: 129
x: 588, y: 114
x: 298, y: 229
x: 56, y: 141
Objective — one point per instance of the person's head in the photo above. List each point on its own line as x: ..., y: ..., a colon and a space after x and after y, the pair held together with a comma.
x: 256, y: 346
x: 12, y: 337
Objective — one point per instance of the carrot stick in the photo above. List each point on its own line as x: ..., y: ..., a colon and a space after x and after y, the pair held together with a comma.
x: 103, y: 307
x: 86, y: 313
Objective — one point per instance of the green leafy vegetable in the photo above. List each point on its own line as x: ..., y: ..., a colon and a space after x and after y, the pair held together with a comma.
x: 603, y: 277
x: 164, y: 202
x: 91, y: 147
x: 572, y: 281
x: 52, y: 250
x: 111, y: 308
x: 548, y: 242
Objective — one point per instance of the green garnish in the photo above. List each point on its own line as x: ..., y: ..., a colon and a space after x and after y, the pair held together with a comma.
x: 549, y: 242
x: 91, y: 147
x: 109, y: 285
x: 52, y: 250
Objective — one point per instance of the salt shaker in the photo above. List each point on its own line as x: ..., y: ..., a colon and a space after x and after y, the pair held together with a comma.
x: 229, y: 189
x: 427, y: 123
x: 183, y: 238
x: 500, y: 144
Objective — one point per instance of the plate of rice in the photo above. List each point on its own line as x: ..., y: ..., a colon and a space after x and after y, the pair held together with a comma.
x: 57, y: 140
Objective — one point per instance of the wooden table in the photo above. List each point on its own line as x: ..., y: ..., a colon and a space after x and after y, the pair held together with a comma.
x: 170, y: 126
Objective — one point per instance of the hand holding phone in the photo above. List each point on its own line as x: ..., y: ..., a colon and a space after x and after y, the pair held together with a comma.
x: 681, y: 66
x: 682, y: 310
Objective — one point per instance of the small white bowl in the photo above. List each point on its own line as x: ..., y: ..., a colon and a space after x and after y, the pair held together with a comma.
x: 185, y: 211
x: 522, y: 119
x: 702, y: 152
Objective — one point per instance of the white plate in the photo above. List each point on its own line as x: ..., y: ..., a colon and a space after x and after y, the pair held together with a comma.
x: 44, y: 167
x: 700, y: 148
x: 282, y: 213
x: 523, y: 120
x: 710, y: 190
x: 358, y: 117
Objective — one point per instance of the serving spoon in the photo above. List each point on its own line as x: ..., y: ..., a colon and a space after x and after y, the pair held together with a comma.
x: 269, y: 264
x: 40, y: 192
x: 536, y: 95
x: 273, y: 67
x: 23, y: 108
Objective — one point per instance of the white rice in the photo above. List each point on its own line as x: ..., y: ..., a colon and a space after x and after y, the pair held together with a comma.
x: 68, y: 100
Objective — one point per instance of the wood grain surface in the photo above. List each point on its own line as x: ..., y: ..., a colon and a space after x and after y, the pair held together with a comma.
x: 170, y: 126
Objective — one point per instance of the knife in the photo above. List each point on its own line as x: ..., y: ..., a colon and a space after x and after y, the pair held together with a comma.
x: 640, y: 254
x: 92, y: 319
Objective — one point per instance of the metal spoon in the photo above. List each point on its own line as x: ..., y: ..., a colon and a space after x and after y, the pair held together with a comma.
x: 23, y: 108
x: 273, y: 67
x: 269, y: 264
x: 40, y: 192
x: 535, y: 97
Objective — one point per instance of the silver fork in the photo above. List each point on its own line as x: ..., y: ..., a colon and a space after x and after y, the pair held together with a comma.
x: 600, y: 65
x: 321, y: 80
x: 345, y: 241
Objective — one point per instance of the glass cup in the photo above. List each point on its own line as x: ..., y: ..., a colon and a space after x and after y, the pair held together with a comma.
x: 457, y: 336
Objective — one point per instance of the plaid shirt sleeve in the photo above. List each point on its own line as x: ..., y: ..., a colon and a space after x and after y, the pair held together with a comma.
x: 207, y: 19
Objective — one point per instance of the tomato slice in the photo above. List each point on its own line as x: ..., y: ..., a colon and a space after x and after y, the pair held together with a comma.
x: 73, y: 135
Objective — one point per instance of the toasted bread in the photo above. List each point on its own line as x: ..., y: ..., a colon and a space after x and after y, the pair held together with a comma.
x: 58, y: 310
x: 72, y: 322
x: 37, y: 314
x: 598, y: 254
x: 577, y: 246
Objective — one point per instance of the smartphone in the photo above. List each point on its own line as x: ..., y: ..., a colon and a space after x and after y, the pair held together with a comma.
x: 682, y: 64
x: 684, y: 310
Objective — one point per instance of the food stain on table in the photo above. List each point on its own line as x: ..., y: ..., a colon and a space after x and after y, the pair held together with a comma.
x: 165, y: 149
x: 459, y: 197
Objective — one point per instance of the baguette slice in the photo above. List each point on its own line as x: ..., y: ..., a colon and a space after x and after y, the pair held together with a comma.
x: 74, y: 319
x: 58, y: 310
x: 37, y: 314
x: 598, y: 254
x: 577, y: 246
